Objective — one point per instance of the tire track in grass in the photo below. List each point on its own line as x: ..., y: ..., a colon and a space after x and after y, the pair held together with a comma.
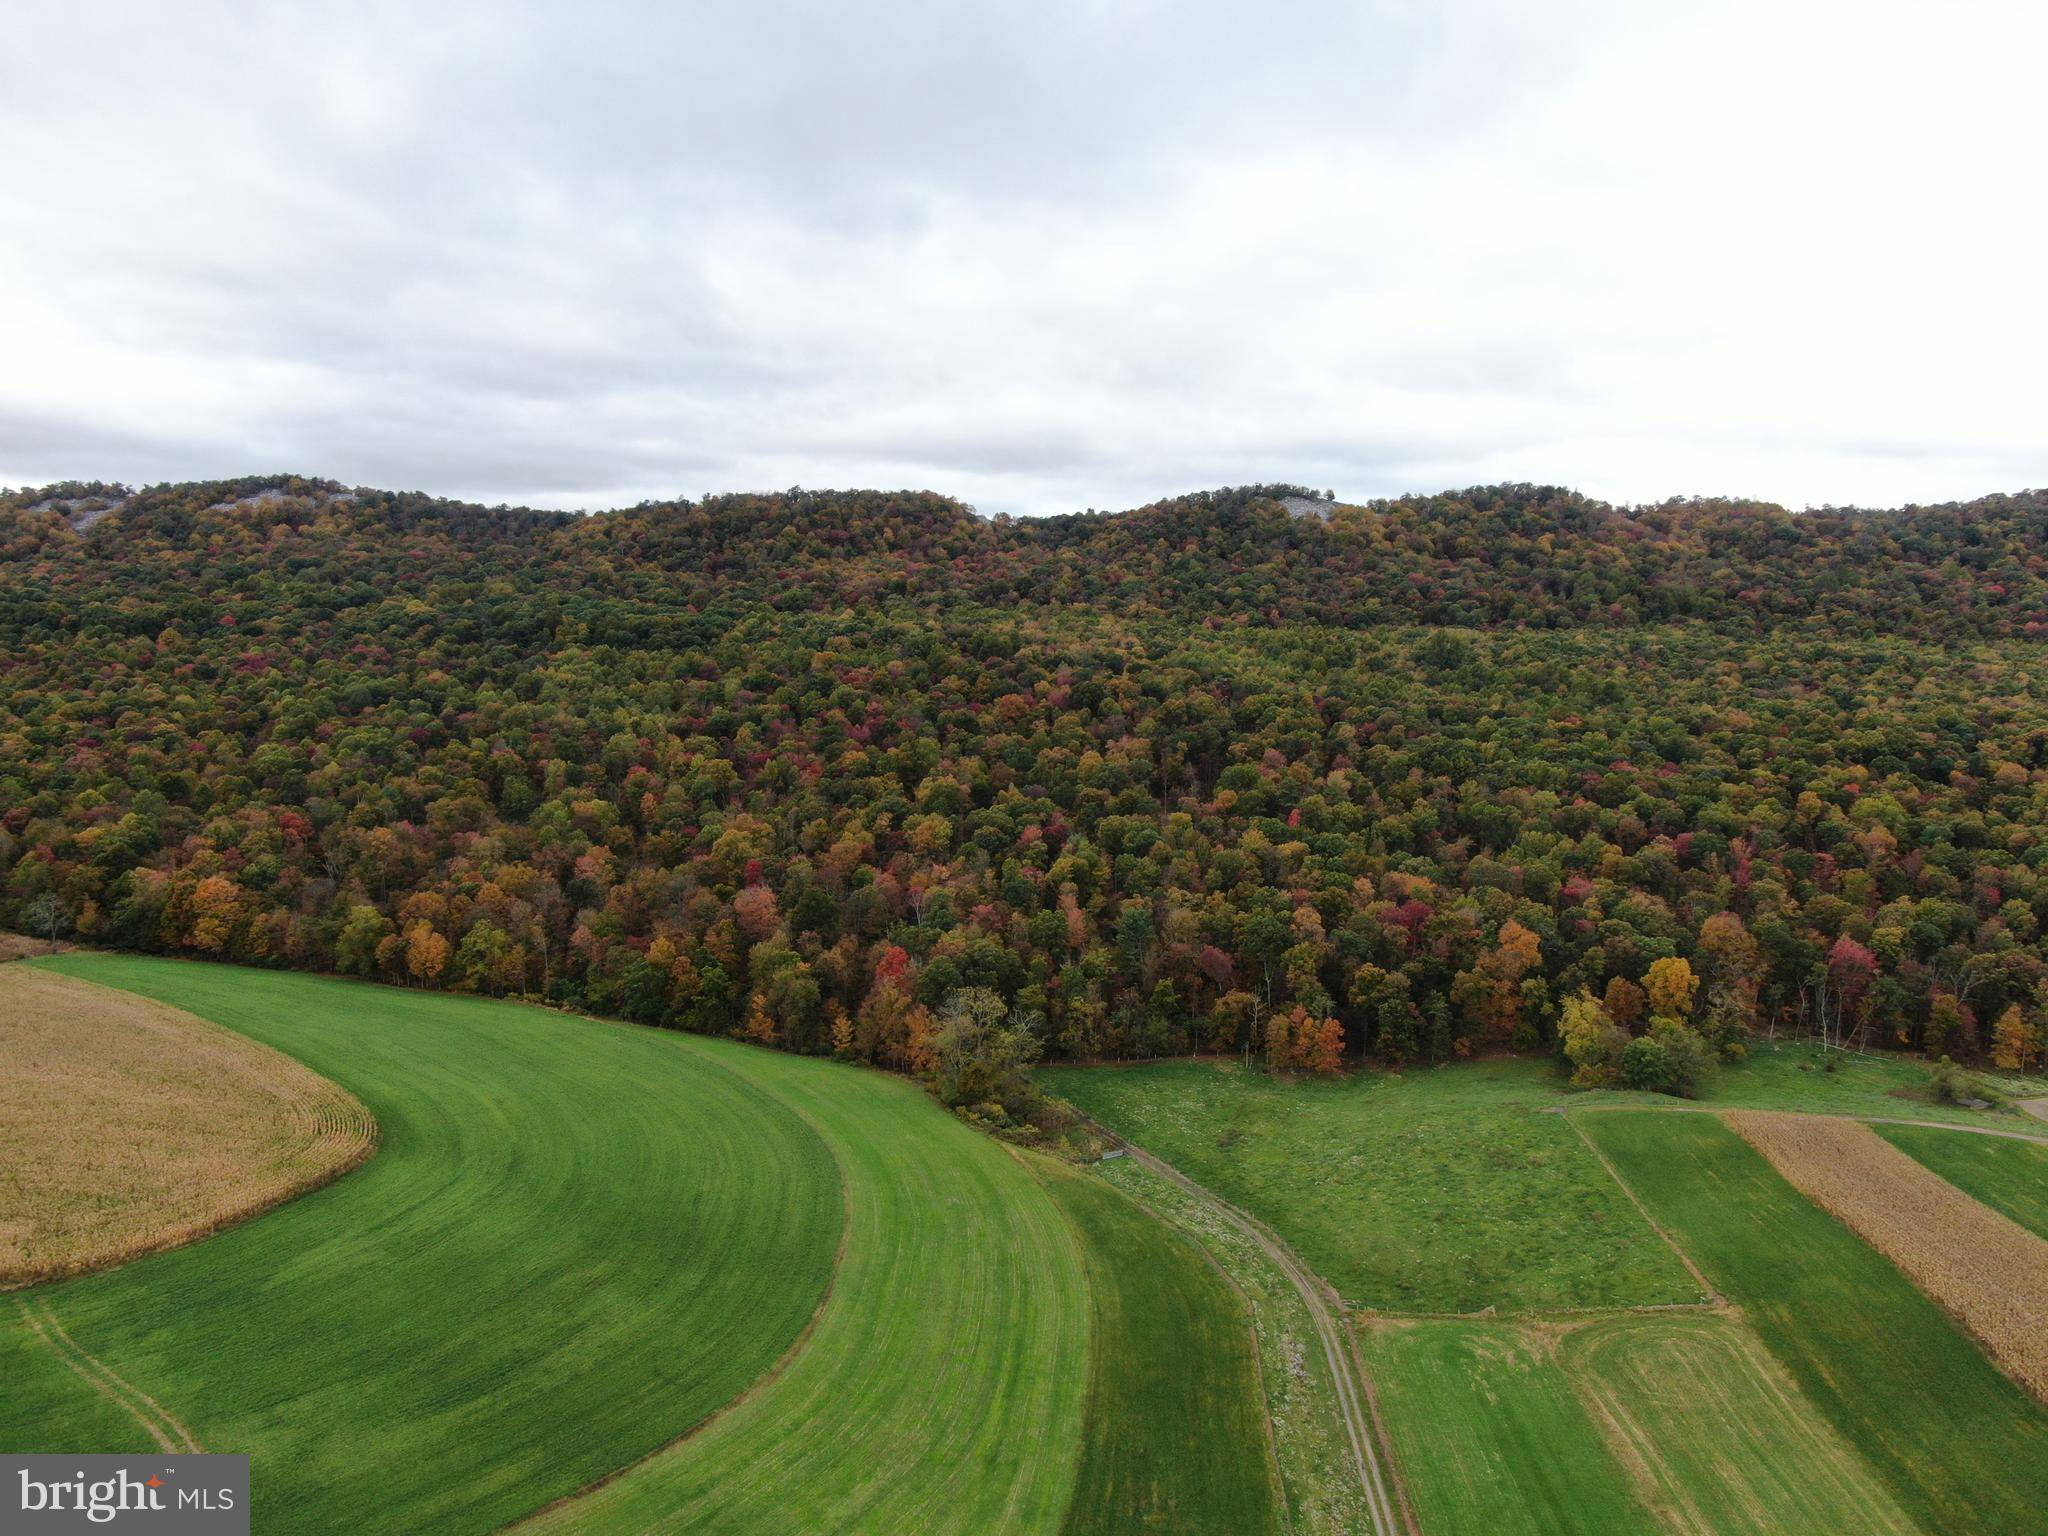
x: 1718, y: 1438
x: 1303, y: 1422
x: 1714, y: 1297
x: 1360, y: 1408
x: 579, y: 1240
x: 1960, y: 1446
x: 163, y: 1427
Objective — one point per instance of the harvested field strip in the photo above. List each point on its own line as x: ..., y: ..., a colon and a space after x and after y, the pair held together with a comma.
x: 1717, y: 1437
x: 2009, y: 1176
x: 1175, y: 1435
x: 127, y: 1127
x: 943, y: 1387
x: 1490, y: 1435
x: 1963, y: 1450
x: 577, y: 1241
x: 1324, y: 1496
x: 1986, y: 1271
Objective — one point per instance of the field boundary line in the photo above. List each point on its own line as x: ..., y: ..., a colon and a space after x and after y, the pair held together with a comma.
x: 361, y: 1130
x: 164, y: 1427
x: 1179, y: 1233
x: 1364, y: 1425
x: 1568, y: 1110
x: 1715, y: 1298
x: 1534, y: 1314
x: 760, y: 1383
x: 1985, y: 1271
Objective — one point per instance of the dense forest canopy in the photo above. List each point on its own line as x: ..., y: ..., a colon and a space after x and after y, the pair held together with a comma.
x: 1411, y: 779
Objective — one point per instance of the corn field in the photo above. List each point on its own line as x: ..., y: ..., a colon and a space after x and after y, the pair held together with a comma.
x: 1987, y: 1272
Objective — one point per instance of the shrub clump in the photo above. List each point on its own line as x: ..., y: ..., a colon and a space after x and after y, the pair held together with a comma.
x: 1671, y: 1058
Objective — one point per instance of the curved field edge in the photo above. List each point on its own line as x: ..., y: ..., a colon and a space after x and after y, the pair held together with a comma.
x: 1310, y: 1441
x: 1962, y: 1449
x: 1716, y: 1436
x: 128, y: 1127
x: 578, y: 1241
x: 944, y: 1386
x: 1174, y: 1435
x: 2011, y: 1177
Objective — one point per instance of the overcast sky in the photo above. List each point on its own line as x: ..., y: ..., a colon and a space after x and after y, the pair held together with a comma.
x: 1040, y: 254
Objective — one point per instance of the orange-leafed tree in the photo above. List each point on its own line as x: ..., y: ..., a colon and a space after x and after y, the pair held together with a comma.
x: 760, y: 1024
x: 426, y: 953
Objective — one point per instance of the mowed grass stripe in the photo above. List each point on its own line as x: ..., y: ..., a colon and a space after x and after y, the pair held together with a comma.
x: 1491, y: 1437
x: 942, y: 1389
x: 2009, y: 1176
x: 1175, y: 1434
x: 1961, y: 1447
x: 577, y: 1240
x: 1716, y: 1435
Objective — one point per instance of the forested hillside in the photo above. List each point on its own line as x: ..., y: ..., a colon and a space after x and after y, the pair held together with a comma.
x: 1413, y: 776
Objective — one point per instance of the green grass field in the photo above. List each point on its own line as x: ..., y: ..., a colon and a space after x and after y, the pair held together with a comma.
x: 576, y: 1241
x: 2009, y: 1176
x: 749, y: 1292
x: 1323, y: 1492
x: 943, y: 1387
x: 1961, y: 1448
x: 1491, y: 1437
x: 1176, y: 1436
x: 1434, y: 1191
x: 1717, y: 1438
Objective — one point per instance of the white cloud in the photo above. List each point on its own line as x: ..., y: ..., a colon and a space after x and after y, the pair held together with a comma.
x: 1040, y: 256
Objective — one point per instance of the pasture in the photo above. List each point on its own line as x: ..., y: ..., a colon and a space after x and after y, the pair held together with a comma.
x: 1960, y: 1447
x: 1802, y: 1077
x: 943, y: 1387
x: 1490, y: 1436
x: 1324, y: 1495
x: 1439, y: 1191
x: 601, y: 1278
x: 1633, y: 1424
x: 1716, y: 1436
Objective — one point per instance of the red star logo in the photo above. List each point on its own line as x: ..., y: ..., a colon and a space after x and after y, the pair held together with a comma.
x: 155, y: 1481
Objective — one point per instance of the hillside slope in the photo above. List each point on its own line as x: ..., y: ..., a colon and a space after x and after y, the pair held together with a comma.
x: 808, y: 764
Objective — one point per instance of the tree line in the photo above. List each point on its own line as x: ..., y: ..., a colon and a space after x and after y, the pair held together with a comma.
x: 854, y: 773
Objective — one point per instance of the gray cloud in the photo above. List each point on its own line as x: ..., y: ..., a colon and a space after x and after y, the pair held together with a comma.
x: 1040, y: 255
